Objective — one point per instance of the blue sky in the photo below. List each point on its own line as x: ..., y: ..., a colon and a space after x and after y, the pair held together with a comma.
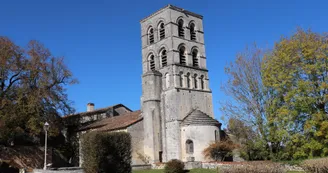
x: 101, y: 38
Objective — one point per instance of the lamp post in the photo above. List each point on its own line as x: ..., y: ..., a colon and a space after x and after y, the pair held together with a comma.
x: 46, y: 127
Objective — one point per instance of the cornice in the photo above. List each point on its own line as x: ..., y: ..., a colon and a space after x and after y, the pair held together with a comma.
x: 169, y: 6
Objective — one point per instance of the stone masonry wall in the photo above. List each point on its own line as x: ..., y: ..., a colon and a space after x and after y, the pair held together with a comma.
x: 136, y: 131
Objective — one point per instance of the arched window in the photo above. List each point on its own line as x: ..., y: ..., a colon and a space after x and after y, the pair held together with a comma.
x: 182, y: 55
x: 163, y: 58
x: 151, y: 35
x: 216, y: 135
x: 161, y: 29
x: 202, y: 82
x: 188, y: 80
x: 167, y: 80
x: 195, y: 81
x: 181, y: 79
x: 189, y: 146
x: 180, y: 28
x: 195, y: 58
x: 152, y: 62
x: 192, y: 32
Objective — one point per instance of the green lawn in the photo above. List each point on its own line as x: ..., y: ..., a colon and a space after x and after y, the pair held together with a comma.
x: 191, y: 171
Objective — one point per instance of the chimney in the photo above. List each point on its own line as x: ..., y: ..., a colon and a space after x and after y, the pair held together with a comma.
x: 90, y: 107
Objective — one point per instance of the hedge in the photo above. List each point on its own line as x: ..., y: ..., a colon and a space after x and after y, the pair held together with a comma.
x: 254, y: 167
x: 174, y: 166
x: 106, y: 152
x: 315, y: 165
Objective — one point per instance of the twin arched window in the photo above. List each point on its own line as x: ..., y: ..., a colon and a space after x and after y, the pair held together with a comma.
x: 161, y: 29
x: 182, y: 57
x: 189, y: 146
x: 150, y: 33
x: 151, y: 60
x: 192, y: 29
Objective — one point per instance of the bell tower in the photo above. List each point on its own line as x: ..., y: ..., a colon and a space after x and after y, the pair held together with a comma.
x: 174, y: 80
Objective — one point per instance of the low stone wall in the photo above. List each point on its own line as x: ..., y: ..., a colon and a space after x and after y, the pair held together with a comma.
x: 193, y: 165
x: 188, y: 165
x: 157, y: 166
x: 220, y: 165
x: 292, y: 168
x: 141, y: 167
x: 215, y: 165
x: 59, y: 170
x: 227, y: 165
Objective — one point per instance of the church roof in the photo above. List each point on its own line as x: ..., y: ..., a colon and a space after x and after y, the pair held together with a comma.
x: 169, y: 6
x: 197, y: 117
x: 115, y: 123
x: 117, y: 108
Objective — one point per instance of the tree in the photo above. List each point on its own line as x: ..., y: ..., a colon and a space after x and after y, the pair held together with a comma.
x: 246, y: 89
x: 249, y: 96
x: 220, y: 150
x: 297, y: 73
x: 282, y: 94
x: 252, y: 147
x: 32, y: 91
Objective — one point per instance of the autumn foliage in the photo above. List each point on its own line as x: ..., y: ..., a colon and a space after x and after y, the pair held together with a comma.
x: 282, y: 95
x: 32, y: 90
x: 219, y: 150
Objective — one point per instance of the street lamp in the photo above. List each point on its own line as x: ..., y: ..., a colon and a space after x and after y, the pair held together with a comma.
x: 46, y: 127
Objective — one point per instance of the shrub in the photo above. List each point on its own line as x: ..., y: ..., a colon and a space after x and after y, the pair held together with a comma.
x: 254, y: 167
x: 219, y: 150
x: 106, y: 152
x: 315, y: 165
x: 174, y: 166
x: 6, y: 167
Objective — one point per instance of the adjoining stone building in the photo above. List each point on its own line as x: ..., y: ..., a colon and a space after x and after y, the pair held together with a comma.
x: 176, y: 119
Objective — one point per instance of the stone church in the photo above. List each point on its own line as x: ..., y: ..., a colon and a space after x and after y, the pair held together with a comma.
x: 176, y: 119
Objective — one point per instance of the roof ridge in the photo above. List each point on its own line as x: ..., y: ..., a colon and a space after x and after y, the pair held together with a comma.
x: 189, y: 113
x: 95, y: 110
x: 200, y: 118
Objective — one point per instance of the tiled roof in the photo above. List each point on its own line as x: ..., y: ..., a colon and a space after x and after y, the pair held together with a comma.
x: 115, y: 123
x: 197, y: 117
x: 96, y: 111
